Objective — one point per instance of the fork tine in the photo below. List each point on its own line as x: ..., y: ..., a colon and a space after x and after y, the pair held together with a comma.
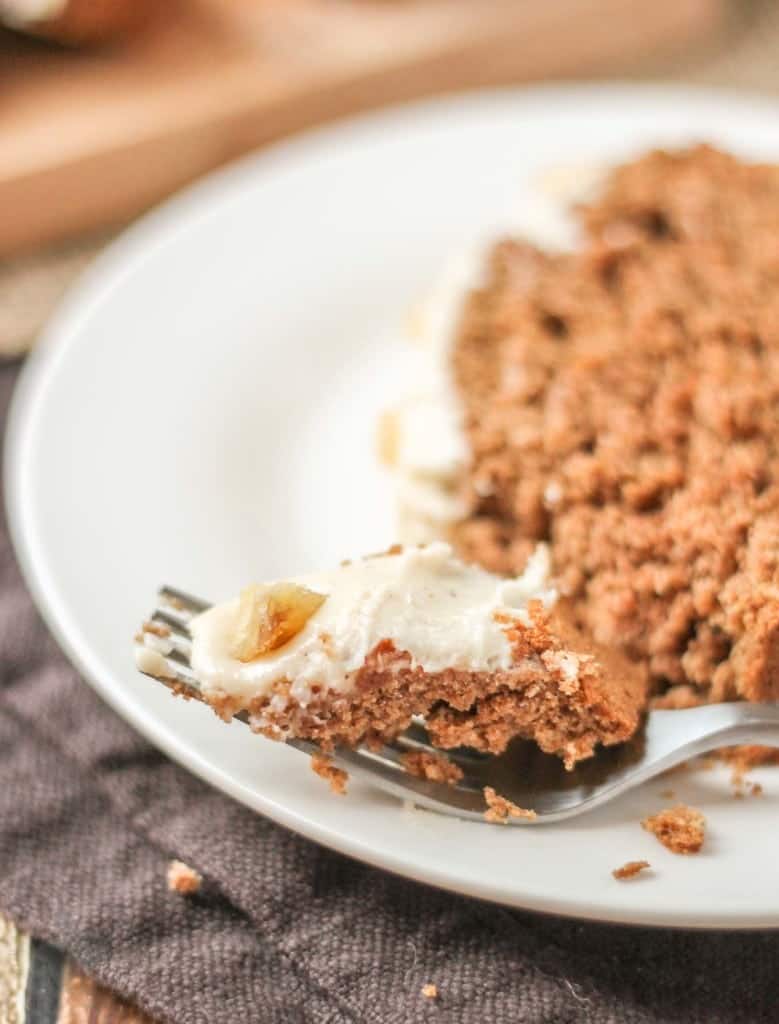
x: 180, y: 661
x: 177, y: 677
x: 178, y: 636
x: 173, y: 619
x: 185, y: 604
x: 163, y: 649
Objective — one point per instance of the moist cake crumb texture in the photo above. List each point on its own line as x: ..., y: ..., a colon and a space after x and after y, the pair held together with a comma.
x: 183, y: 879
x: 499, y: 809
x: 621, y: 402
x: 325, y: 769
x: 433, y: 767
x: 630, y: 870
x: 681, y: 829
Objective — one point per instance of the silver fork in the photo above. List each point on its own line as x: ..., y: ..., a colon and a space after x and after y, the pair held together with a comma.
x: 523, y: 775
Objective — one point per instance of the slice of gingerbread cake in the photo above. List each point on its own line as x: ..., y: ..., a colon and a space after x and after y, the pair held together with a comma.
x: 621, y: 403
x: 352, y: 655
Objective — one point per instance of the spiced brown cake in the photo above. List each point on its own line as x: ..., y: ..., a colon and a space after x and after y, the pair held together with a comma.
x: 621, y: 402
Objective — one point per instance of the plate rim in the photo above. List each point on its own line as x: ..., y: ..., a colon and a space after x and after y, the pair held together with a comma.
x: 62, y: 331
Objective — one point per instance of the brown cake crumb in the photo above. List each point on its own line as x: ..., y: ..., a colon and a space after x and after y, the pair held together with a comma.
x: 433, y: 767
x: 325, y: 768
x: 631, y: 869
x: 667, y: 794
x: 499, y: 809
x: 680, y: 829
x: 622, y: 403
x: 183, y: 879
x: 430, y: 991
x: 755, y: 789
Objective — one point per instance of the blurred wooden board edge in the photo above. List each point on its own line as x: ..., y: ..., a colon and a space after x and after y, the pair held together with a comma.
x: 91, y: 140
x: 82, y: 1001
x: 14, y: 970
x: 39, y: 985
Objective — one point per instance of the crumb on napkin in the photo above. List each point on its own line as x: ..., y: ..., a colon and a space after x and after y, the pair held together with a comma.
x: 183, y: 879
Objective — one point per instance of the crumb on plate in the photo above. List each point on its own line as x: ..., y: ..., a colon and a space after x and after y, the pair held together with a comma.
x: 680, y: 829
x: 630, y: 869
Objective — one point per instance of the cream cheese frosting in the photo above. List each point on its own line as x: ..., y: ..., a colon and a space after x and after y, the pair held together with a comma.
x: 430, y: 448
x: 426, y: 601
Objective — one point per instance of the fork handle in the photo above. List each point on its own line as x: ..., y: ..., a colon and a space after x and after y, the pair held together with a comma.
x: 757, y: 723
x: 725, y: 725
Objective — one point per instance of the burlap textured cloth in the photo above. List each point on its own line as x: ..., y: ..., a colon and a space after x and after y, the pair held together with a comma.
x: 283, y: 930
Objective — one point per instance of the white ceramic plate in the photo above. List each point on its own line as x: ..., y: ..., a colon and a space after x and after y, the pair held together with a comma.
x: 201, y: 412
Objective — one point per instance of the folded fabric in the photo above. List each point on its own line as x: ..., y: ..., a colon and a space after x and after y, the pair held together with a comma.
x: 283, y: 930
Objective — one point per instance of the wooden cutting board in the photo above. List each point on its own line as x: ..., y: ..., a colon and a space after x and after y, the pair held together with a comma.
x: 89, y: 139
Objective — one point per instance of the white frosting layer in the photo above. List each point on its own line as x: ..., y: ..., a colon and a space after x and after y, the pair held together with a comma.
x: 431, y: 448
x: 425, y: 600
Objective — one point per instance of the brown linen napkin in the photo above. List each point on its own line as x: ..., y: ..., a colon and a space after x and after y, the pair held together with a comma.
x: 283, y: 930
